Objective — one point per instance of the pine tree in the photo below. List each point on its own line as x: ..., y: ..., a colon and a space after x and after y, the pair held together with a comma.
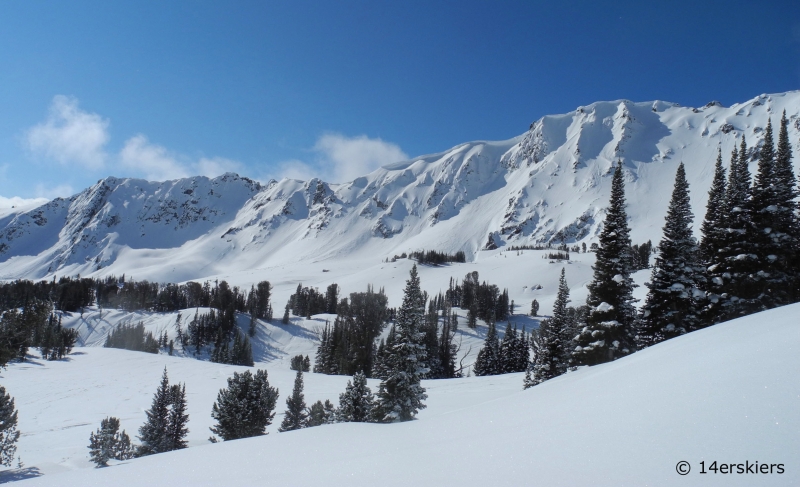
x: 673, y: 303
x: 356, y: 402
x: 551, y: 355
x: 109, y: 443
x: 714, y: 223
x: 296, y: 415
x: 488, y: 360
x: 508, y: 351
x: 534, y: 308
x: 8, y: 428
x: 400, y: 395
x: 178, y: 417
x: 246, y: 407
x: 153, y: 434
x: 318, y: 414
x: 608, y: 333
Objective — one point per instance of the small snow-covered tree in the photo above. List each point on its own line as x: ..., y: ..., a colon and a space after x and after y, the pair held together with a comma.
x: 356, y: 402
x: 8, y: 428
x: 246, y: 407
x: 109, y: 443
x: 552, y: 353
x: 295, y: 416
x: 165, y: 427
x: 177, y: 419
x: 488, y: 360
x: 400, y: 394
x: 320, y: 413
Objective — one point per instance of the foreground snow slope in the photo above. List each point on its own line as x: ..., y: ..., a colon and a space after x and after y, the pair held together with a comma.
x: 728, y: 393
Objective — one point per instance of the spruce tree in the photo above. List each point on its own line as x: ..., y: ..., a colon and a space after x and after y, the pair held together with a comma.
x: 8, y: 428
x: 153, y: 433
x: 317, y: 415
x: 488, y: 360
x: 296, y: 415
x: 178, y: 417
x: 608, y: 334
x: 673, y: 303
x: 356, y: 402
x: 713, y: 226
x: 109, y: 443
x: 400, y: 394
x: 552, y: 354
x: 246, y: 407
x: 508, y: 351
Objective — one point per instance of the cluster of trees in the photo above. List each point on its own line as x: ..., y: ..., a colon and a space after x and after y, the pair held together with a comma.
x: 33, y: 325
x: 300, y: 363
x: 164, y: 429
x: 640, y: 255
x: 218, y: 328
x: 745, y: 262
x: 560, y: 255
x: 348, y: 346
x: 66, y: 294
x: 132, y: 337
x: 512, y: 354
x: 307, y: 301
x: 481, y: 300
x: 433, y: 257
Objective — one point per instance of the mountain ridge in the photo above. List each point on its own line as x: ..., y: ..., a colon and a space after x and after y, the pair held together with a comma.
x: 547, y: 185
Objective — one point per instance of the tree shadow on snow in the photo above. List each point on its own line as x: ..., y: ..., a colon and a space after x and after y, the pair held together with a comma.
x: 19, y: 474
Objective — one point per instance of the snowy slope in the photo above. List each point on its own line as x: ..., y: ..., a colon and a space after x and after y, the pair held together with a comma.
x: 728, y: 393
x: 547, y: 185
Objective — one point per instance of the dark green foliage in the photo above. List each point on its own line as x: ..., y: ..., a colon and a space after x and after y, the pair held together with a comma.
x: 608, y: 333
x: 534, y: 308
x: 552, y: 351
x: 713, y: 227
x: 348, y: 346
x: 235, y: 352
x: 319, y: 414
x: 246, y: 407
x: 640, y: 256
x: 8, y: 428
x: 489, y: 361
x: 109, y: 443
x: 296, y: 414
x: 132, y: 337
x: 331, y: 298
x: 483, y: 301
x: 307, y: 301
x: 165, y: 427
x: 674, y: 301
x: 21, y: 329
x: 55, y: 342
x: 400, y: 394
x: 356, y: 402
x: 433, y: 257
x: 300, y: 363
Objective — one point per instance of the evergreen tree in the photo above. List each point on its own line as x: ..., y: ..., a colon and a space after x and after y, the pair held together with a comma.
x: 246, y: 407
x: 551, y: 355
x: 534, y: 308
x: 488, y: 360
x: 8, y: 428
x: 178, y: 417
x: 731, y: 283
x: 109, y: 443
x: 400, y: 395
x: 356, y: 402
x: 673, y: 303
x: 508, y: 351
x: 153, y: 434
x: 296, y: 415
x: 713, y: 226
x: 319, y: 414
x: 608, y: 333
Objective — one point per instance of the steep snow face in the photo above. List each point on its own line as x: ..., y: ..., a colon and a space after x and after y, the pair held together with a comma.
x: 550, y: 184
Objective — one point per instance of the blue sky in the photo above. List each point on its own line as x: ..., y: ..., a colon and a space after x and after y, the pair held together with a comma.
x: 156, y: 89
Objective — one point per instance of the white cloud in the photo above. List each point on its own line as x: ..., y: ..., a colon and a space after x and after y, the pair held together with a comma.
x: 16, y: 202
x: 62, y: 190
x: 341, y: 158
x: 216, y: 166
x: 70, y: 135
x: 346, y: 158
x: 151, y: 160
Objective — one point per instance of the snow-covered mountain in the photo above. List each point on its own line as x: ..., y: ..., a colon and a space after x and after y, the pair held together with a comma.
x: 550, y: 184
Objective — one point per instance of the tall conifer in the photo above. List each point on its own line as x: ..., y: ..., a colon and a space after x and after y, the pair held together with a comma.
x: 608, y: 333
